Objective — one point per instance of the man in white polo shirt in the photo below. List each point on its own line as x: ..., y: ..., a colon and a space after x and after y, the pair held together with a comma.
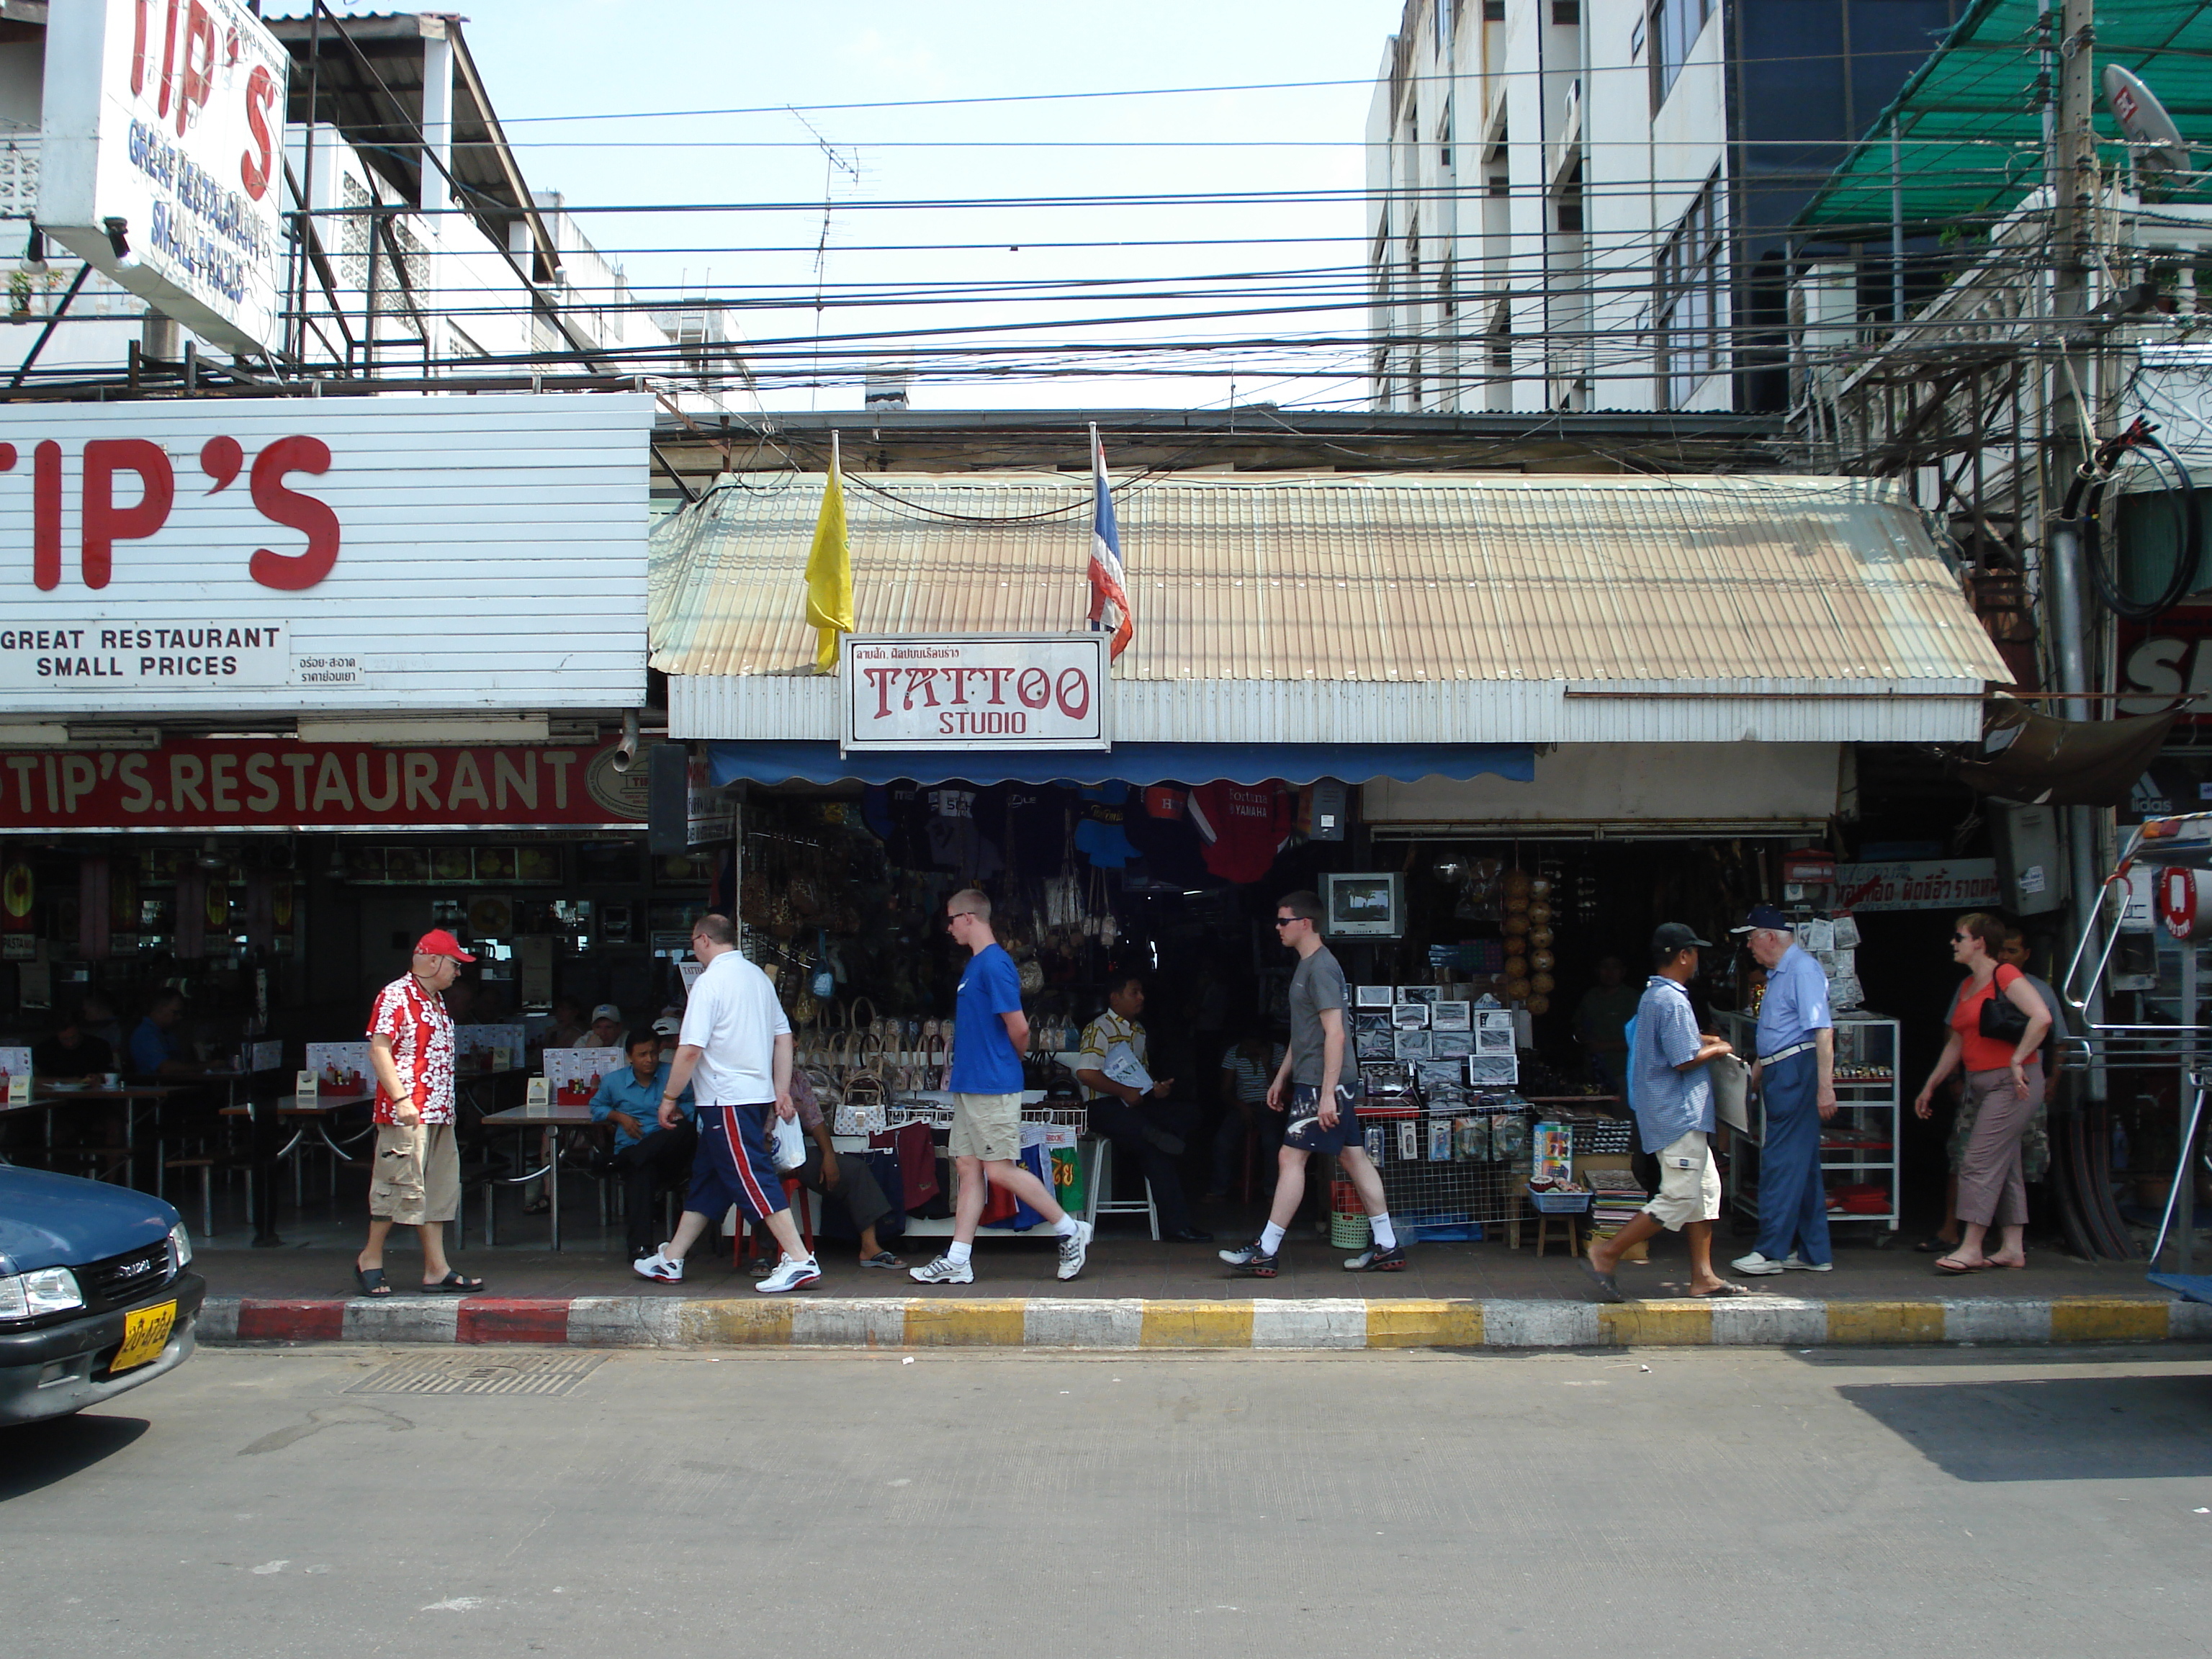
x: 735, y: 1052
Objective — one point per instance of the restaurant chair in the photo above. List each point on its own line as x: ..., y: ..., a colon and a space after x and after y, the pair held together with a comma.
x: 205, y: 1165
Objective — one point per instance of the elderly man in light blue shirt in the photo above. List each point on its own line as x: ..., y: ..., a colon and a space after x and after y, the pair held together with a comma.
x: 1796, y: 1077
x: 1670, y: 1089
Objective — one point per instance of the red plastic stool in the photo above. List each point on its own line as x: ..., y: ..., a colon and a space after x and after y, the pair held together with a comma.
x: 792, y: 1190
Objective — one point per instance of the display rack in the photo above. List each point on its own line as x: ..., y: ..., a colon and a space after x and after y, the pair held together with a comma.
x: 1858, y: 1146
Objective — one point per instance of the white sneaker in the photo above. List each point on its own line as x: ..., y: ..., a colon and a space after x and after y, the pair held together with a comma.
x: 658, y: 1266
x: 1073, y: 1246
x: 792, y: 1273
x: 1756, y: 1263
x: 1796, y: 1264
x: 942, y: 1271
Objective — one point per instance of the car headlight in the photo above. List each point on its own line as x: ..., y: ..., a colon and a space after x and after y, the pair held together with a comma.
x: 180, y: 1247
x: 50, y: 1290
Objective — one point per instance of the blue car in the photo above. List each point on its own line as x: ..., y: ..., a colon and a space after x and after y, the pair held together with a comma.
x: 95, y: 1292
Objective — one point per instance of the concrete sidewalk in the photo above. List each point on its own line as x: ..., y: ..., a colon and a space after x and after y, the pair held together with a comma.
x: 1137, y: 1294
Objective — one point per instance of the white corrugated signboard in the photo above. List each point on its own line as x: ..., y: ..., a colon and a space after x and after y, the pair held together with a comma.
x: 161, y: 156
x: 394, y: 553
x: 965, y: 693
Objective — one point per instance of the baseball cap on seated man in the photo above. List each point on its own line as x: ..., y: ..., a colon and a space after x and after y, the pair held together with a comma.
x: 1672, y: 936
x: 439, y: 942
x: 1764, y: 915
x: 668, y: 1025
x: 606, y: 1010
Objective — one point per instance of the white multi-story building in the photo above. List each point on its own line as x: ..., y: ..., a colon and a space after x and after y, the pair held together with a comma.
x: 1578, y: 203
x: 416, y: 249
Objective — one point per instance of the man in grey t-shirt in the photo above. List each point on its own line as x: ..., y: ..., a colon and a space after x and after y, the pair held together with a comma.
x: 1324, y: 1107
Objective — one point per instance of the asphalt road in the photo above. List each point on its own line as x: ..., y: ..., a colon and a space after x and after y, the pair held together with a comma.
x: 1722, y: 1504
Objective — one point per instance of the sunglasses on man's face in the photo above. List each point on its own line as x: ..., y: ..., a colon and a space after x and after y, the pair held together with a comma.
x: 1284, y: 922
x: 1960, y: 939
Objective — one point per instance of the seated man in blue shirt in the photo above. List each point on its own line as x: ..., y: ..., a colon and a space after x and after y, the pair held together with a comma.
x: 648, y: 1157
x: 1671, y: 1091
x: 156, y: 1050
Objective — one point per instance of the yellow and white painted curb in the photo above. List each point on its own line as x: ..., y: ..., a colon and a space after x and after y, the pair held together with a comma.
x: 1075, y: 1322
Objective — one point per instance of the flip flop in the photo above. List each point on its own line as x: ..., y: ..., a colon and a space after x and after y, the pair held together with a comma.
x: 1936, y: 1246
x: 882, y: 1258
x: 1952, y: 1265
x: 1606, y: 1290
x: 454, y: 1284
x: 371, y: 1280
x: 1726, y: 1287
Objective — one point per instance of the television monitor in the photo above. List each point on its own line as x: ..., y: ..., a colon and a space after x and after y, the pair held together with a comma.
x: 1365, y: 906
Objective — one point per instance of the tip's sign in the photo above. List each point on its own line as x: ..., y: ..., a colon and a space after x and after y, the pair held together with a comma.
x: 162, y: 156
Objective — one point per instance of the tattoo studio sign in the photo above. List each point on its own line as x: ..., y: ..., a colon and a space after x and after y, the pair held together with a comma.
x: 974, y: 692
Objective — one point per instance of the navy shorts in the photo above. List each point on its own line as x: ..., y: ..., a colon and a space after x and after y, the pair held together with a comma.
x: 732, y: 1165
x: 1304, y: 1130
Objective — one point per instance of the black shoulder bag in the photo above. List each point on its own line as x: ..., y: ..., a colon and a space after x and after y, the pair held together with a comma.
x: 2001, y: 1017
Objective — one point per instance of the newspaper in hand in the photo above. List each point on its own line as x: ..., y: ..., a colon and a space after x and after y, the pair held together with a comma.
x: 1122, y: 1067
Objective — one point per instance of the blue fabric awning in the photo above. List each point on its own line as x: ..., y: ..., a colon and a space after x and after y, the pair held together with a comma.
x: 1131, y: 762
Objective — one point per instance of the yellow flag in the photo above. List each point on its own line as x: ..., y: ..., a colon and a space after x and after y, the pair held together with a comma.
x: 829, y: 570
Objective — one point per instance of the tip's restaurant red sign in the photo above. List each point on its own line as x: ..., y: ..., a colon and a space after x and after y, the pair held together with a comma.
x: 240, y: 784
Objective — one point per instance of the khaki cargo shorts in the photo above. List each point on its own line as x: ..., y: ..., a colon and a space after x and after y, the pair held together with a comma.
x: 1689, y: 1183
x: 417, y: 1177
x: 988, y: 1127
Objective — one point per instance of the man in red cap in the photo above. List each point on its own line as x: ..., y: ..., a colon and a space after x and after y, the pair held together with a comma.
x: 417, y: 1178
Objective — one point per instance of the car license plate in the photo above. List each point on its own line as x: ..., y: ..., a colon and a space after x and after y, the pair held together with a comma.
x: 145, y: 1333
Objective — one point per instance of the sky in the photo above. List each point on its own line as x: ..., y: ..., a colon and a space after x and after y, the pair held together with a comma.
x: 548, y: 64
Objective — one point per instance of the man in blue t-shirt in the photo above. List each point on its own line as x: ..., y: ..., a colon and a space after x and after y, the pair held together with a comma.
x: 1670, y: 1088
x: 989, y: 1034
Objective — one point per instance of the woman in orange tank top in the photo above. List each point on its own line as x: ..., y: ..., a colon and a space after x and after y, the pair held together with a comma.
x: 2007, y: 1079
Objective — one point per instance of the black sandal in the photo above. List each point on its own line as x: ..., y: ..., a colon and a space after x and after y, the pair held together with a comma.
x: 371, y: 1280
x: 454, y: 1284
x: 1936, y: 1246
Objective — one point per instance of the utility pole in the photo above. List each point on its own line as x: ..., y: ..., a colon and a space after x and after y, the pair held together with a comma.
x: 2069, y: 383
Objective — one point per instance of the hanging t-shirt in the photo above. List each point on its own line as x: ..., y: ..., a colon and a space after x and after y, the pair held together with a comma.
x: 1171, y: 848
x: 1244, y: 826
x: 1028, y: 821
x: 956, y: 843
x: 900, y: 819
x: 983, y: 1058
x: 1101, y: 835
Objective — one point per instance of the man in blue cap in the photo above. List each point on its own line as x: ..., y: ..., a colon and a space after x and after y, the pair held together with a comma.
x: 1796, y: 1077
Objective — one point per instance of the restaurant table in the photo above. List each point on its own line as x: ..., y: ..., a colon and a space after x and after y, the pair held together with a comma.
x: 48, y: 1099
x: 521, y: 1117
x: 308, y: 1119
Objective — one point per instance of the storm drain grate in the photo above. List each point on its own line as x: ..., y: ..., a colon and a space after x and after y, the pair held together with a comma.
x: 538, y: 1374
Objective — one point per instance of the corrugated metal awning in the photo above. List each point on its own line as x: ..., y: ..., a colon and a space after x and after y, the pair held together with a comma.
x: 1326, y: 608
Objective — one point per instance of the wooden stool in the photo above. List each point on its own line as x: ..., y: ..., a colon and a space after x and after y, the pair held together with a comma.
x: 1569, y: 1230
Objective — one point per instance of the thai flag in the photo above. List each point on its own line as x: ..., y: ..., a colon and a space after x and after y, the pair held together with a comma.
x: 1107, y: 589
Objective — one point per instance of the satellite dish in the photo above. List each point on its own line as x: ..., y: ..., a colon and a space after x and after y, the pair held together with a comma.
x: 2158, y: 146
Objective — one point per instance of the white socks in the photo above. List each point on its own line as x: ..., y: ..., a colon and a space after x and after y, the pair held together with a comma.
x: 1271, y: 1239
x: 1386, y: 1236
x: 956, y: 1252
x: 1067, y: 1225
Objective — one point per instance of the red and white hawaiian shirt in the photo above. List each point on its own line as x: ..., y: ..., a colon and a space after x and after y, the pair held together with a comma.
x: 422, y: 1034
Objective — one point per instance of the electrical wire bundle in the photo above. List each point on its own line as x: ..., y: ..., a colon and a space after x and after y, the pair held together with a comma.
x: 2084, y: 510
